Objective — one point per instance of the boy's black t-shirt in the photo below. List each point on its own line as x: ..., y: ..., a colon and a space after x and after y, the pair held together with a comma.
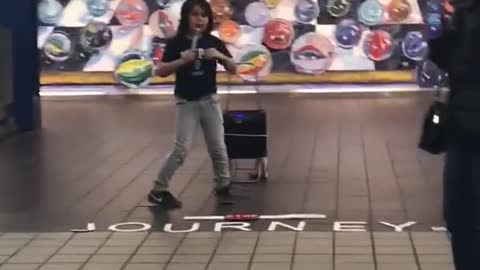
x: 196, y: 80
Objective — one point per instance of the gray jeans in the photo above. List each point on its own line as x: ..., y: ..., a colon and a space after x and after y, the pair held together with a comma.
x: 208, y: 113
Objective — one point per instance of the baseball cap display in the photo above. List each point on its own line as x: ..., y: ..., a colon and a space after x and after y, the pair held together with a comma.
x: 222, y: 10
x: 414, y: 46
x: 97, y: 8
x: 348, y: 33
x: 306, y: 10
x: 95, y: 36
x: 338, y: 8
x: 429, y: 75
x: 134, y: 69
x: 371, y: 13
x: 162, y: 24
x: 58, y: 47
x: 254, y: 61
x: 49, y: 11
x: 163, y: 3
x: 399, y: 10
x: 257, y: 14
x: 229, y: 31
x: 132, y: 13
x: 271, y: 3
x: 278, y: 34
x: 378, y: 45
x: 312, y: 53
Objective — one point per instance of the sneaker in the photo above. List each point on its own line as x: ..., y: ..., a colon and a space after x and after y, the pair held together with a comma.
x: 164, y: 198
x: 223, y: 189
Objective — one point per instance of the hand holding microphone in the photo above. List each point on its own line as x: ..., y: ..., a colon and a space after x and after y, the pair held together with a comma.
x: 191, y: 55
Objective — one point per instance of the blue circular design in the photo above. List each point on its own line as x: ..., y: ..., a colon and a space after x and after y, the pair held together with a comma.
x: 348, y: 33
x: 306, y: 11
x: 414, y: 46
x: 371, y: 13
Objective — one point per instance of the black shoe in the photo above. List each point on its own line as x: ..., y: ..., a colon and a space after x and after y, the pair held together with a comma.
x: 223, y: 190
x: 164, y: 199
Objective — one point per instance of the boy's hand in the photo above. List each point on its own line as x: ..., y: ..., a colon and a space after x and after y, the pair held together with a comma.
x: 212, y: 53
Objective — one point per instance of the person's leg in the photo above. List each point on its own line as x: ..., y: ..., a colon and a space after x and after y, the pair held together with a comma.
x: 458, y: 204
x: 476, y: 207
x: 187, y: 117
x: 211, y: 121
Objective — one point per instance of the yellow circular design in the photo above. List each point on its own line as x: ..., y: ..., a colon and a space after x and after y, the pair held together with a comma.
x: 272, y: 3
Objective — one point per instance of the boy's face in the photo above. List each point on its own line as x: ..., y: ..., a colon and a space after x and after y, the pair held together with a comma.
x: 198, y: 20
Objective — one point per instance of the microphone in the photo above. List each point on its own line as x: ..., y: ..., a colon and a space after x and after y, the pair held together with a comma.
x: 195, y: 39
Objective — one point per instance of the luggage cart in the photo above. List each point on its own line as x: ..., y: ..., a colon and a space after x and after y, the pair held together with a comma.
x: 246, y: 137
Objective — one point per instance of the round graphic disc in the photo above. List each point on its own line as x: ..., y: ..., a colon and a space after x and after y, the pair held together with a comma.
x: 97, y: 8
x: 222, y: 10
x: 271, y: 3
x: 163, y: 3
x: 229, y: 31
x: 434, y: 25
x: 58, y: 47
x: 132, y: 13
x: 414, y: 46
x: 429, y: 75
x: 378, y: 45
x: 49, y: 12
x: 338, y: 8
x: 278, y: 34
x: 134, y: 69
x: 306, y: 11
x: 348, y: 33
x: 399, y: 10
x: 162, y: 24
x: 254, y: 61
x: 371, y: 13
x: 257, y: 14
x: 312, y: 53
x: 95, y: 36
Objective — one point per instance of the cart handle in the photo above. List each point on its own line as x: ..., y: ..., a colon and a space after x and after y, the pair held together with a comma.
x: 256, y: 86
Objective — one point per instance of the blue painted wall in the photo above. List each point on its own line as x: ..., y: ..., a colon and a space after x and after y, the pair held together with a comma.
x: 21, y: 17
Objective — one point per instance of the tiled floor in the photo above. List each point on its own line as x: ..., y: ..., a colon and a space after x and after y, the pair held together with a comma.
x: 351, y: 158
x: 228, y: 250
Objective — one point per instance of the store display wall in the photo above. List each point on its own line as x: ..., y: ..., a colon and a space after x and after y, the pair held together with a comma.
x: 298, y: 41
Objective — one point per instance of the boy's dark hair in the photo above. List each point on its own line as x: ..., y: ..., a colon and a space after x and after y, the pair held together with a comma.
x: 187, y: 7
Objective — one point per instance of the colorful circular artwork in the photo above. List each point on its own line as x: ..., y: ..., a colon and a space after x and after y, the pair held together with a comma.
x: 222, y: 10
x: 58, y: 47
x: 434, y: 25
x: 98, y: 8
x: 49, y: 11
x: 163, y: 3
x: 414, y: 46
x: 134, y: 69
x: 312, y: 53
x: 378, y: 45
x: 229, y: 31
x: 338, y: 8
x: 271, y: 3
x: 371, y: 13
x: 399, y: 10
x: 278, y: 34
x: 429, y: 75
x: 254, y: 62
x: 257, y: 14
x: 95, y: 36
x: 306, y: 11
x: 132, y: 13
x: 348, y: 33
x: 162, y: 24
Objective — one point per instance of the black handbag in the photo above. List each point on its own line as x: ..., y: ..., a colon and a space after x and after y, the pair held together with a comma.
x: 434, y: 133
